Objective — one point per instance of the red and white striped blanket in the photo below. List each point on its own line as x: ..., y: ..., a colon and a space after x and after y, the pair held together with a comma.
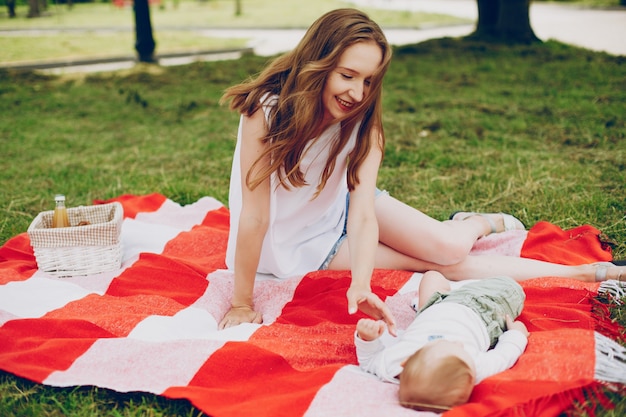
x: 152, y: 325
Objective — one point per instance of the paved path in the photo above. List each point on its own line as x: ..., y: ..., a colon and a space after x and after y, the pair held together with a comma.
x: 596, y: 29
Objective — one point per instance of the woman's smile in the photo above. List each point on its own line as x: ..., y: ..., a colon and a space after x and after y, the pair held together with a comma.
x: 345, y: 105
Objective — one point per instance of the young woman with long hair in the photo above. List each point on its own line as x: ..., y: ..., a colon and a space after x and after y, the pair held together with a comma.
x: 303, y: 190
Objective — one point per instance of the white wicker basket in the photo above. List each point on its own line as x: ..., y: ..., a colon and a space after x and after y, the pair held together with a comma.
x: 79, y: 250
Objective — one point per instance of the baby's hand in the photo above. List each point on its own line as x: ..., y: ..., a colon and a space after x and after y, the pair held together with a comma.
x: 368, y: 329
x: 516, y: 325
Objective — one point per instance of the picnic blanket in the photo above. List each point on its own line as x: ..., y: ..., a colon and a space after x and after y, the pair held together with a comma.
x: 151, y: 326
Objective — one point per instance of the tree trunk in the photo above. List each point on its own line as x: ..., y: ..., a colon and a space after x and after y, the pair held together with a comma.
x: 237, y: 7
x: 504, y: 21
x: 488, y: 13
x: 33, y: 8
x: 514, y: 21
x: 11, y: 8
x: 144, y: 42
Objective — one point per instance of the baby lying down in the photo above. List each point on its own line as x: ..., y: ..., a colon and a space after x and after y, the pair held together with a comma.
x: 457, y: 339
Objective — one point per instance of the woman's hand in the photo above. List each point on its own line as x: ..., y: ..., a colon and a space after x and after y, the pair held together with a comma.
x: 238, y: 315
x: 369, y: 303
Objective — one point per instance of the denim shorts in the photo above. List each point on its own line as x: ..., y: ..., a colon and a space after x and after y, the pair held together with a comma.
x: 344, y: 233
x: 491, y: 298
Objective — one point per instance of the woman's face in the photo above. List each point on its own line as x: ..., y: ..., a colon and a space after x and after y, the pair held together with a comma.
x: 349, y: 83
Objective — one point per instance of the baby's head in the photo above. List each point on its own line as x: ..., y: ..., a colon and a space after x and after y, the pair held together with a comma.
x: 437, y: 377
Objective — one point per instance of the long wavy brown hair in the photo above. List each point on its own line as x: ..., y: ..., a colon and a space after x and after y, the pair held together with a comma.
x: 298, y: 78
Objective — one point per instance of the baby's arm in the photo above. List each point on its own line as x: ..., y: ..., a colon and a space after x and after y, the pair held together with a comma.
x: 373, y: 356
x: 511, y: 344
x: 368, y: 329
x: 368, y: 344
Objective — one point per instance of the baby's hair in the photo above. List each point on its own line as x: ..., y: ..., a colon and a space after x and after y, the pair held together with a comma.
x: 298, y: 78
x: 431, y: 384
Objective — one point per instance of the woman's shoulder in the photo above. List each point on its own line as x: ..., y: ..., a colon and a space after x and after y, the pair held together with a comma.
x: 268, y: 99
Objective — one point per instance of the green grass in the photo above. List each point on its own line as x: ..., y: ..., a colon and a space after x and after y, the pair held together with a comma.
x: 175, y: 29
x: 23, y: 398
x: 70, y: 46
x: 537, y: 131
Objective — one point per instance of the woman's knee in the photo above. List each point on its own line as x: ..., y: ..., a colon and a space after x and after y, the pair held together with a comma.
x: 447, y: 250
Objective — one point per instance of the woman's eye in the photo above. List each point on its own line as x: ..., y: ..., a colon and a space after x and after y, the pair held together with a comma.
x: 367, y: 83
x: 346, y: 76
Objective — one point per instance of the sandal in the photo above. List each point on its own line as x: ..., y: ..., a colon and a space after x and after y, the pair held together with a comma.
x: 510, y: 222
x: 602, y: 269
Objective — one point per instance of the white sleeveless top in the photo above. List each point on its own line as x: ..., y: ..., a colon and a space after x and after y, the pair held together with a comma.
x: 302, y: 230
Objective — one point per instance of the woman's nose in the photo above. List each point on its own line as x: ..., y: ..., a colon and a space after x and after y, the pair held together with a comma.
x: 356, y: 93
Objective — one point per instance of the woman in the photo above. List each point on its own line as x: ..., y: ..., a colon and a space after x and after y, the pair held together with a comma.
x: 303, y: 190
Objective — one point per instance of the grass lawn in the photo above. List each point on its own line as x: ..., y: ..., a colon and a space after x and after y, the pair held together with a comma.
x: 537, y: 131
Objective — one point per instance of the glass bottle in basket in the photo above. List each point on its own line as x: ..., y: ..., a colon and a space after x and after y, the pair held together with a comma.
x: 59, y: 218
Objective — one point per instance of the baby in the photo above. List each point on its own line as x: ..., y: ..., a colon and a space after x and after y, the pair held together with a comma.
x: 457, y: 339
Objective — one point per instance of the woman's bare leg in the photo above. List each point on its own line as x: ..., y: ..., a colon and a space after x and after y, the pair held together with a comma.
x: 413, y: 233
x: 482, y: 266
x: 410, y: 240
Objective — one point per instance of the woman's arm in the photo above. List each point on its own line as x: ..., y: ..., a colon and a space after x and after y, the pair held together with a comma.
x: 362, y: 225
x: 362, y: 232
x: 253, y: 223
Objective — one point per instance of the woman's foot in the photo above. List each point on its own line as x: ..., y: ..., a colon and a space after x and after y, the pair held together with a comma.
x: 498, y: 222
x: 609, y: 271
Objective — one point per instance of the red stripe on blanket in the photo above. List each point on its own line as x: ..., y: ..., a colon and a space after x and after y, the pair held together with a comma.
x: 134, y: 204
x: 180, y: 272
x: 315, y: 329
x: 323, y: 295
x: 34, y: 348
x: 550, y: 356
x: 117, y: 315
x: 218, y: 220
x: 158, y: 275
x: 204, y: 246
x: 17, y: 260
x: 524, y: 398
x: 243, y: 380
x: 307, y: 348
x: 558, y: 303
x: 580, y: 245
